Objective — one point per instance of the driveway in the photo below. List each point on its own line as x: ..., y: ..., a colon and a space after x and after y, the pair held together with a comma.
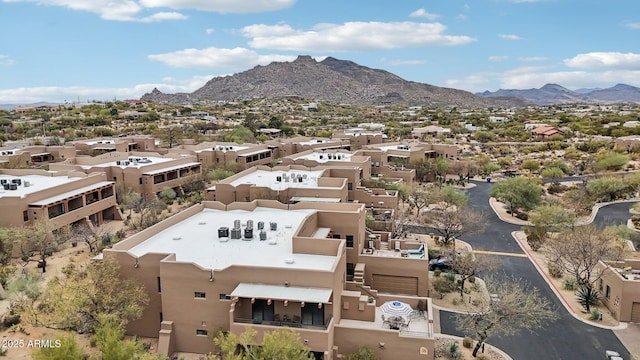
x: 567, y: 338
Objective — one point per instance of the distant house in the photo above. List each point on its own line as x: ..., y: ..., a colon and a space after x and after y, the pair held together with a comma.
x: 546, y: 131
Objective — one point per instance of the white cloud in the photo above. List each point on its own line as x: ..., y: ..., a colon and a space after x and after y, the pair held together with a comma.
x: 134, y: 10
x: 216, y: 58
x: 510, y: 37
x: 71, y: 93
x: 351, y: 36
x: 422, y: 13
x: 498, y: 58
x: 210, y: 31
x: 6, y: 60
x: 469, y: 83
x: 633, y: 25
x: 222, y: 6
x: 598, y: 60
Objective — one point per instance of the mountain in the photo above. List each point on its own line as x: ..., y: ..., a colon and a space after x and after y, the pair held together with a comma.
x: 556, y: 94
x: 334, y: 80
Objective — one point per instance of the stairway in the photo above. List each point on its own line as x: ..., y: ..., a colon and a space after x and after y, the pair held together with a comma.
x: 384, y: 245
x: 358, y: 273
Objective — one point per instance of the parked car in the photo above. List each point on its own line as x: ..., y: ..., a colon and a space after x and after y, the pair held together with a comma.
x: 612, y: 355
x: 440, y: 264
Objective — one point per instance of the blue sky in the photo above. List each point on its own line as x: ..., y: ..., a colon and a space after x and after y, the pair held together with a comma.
x: 70, y: 50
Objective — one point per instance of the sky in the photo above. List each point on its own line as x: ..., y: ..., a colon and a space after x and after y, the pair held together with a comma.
x: 85, y: 50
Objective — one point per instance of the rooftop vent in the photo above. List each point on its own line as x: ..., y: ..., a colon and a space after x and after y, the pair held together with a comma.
x: 236, y: 233
x: 289, y: 260
x: 236, y: 224
x: 177, y: 237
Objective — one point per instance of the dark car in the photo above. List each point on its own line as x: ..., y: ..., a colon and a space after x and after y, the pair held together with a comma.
x: 440, y: 264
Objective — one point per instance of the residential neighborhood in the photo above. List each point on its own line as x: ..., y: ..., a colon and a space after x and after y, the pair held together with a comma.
x: 347, y: 226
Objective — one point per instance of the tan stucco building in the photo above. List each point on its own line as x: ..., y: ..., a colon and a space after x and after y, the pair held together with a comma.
x: 215, y: 154
x: 143, y: 172
x: 34, y: 155
x: 98, y: 146
x: 620, y: 289
x: 268, y: 265
x: 62, y: 198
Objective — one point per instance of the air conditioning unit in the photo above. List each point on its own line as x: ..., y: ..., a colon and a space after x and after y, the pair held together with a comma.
x: 263, y: 235
x: 273, y: 226
x: 236, y: 233
x: 248, y: 233
x: 223, y: 232
x: 260, y: 225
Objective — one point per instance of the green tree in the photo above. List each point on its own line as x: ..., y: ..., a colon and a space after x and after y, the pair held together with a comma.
x: 609, y: 161
x: 518, y: 307
x: 552, y: 218
x: 553, y: 173
x: 76, y: 300
x: 37, y: 242
x: 519, y: 193
x: 363, y: 353
x: 530, y: 164
x: 68, y: 349
x: 278, y: 344
x: 607, y: 188
x: 109, y: 337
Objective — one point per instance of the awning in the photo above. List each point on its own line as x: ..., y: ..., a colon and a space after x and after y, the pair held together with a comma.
x: 277, y: 292
x: 170, y: 168
x: 41, y: 154
x: 70, y: 194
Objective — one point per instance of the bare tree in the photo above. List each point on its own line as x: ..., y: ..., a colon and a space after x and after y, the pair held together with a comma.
x: 88, y: 234
x: 514, y: 307
x: 143, y: 206
x: 454, y: 222
x: 578, y: 252
x: 38, y: 241
x: 468, y: 265
x: 417, y: 198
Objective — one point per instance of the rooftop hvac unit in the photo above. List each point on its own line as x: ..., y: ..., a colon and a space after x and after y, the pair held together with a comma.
x: 263, y: 235
x: 278, y: 178
x: 223, y: 232
x: 16, y: 181
x: 236, y: 224
x: 6, y: 186
x: 260, y: 225
x: 321, y: 156
x: 3, y: 181
x: 236, y: 233
x: 27, y: 184
x: 13, y: 187
x: 273, y: 226
x: 304, y: 176
x: 319, y: 141
x: 126, y: 163
x: 300, y: 179
x: 248, y: 233
x: 286, y: 179
x: 118, y: 162
x: 249, y: 224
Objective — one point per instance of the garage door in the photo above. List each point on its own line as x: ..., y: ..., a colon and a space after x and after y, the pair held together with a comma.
x: 635, y: 312
x: 395, y: 284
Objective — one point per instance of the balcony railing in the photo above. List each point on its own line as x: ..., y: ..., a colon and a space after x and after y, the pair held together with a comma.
x: 284, y: 323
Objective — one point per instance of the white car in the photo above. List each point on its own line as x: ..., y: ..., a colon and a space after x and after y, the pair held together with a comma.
x: 612, y: 355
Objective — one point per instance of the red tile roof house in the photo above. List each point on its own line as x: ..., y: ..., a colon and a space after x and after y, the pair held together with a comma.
x: 546, y: 131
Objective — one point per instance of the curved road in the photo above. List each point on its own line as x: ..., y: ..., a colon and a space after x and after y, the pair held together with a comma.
x: 567, y: 338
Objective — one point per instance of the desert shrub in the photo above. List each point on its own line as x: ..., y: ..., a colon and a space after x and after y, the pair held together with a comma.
x: 536, y: 236
x: 455, y: 301
x: 594, y: 315
x: 454, y: 351
x: 467, y: 342
x: 554, y: 270
x: 437, y: 272
x: 471, y: 279
x: 569, y: 284
x: 450, y: 276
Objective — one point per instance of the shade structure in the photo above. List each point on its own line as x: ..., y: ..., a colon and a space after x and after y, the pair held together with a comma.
x: 396, y: 308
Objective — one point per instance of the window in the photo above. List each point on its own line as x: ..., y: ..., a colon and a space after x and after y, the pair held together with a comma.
x: 311, y: 315
x: 159, y: 287
x: 607, y: 292
x: 262, y: 310
x: 201, y: 332
x: 336, y: 236
x: 25, y: 215
x: 600, y: 286
x: 200, y: 295
x: 225, y: 297
x: 140, y: 181
x: 349, y: 241
x: 349, y: 186
x: 161, y: 318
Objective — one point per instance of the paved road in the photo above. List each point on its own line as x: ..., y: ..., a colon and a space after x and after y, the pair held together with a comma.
x: 565, y: 339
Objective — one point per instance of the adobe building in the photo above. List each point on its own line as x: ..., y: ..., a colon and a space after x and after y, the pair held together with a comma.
x: 359, y: 137
x: 214, y: 154
x: 295, y: 183
x: 115, y: 144
x: 286, y: 147
x: 145, y: 173
x: 266, y: 266
x: 34, y: 155
x: 620, y: 289
x: 62, y: 198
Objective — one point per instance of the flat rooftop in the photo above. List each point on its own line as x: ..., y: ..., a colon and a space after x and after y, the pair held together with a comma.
x: 386, y: 148
x: 133, y: 161
x: 323, y: 157
x: 223, y: 148
x: 288, y: 179
x: 195, y: 239
x: 315, y: 141
x: 30, y: 184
